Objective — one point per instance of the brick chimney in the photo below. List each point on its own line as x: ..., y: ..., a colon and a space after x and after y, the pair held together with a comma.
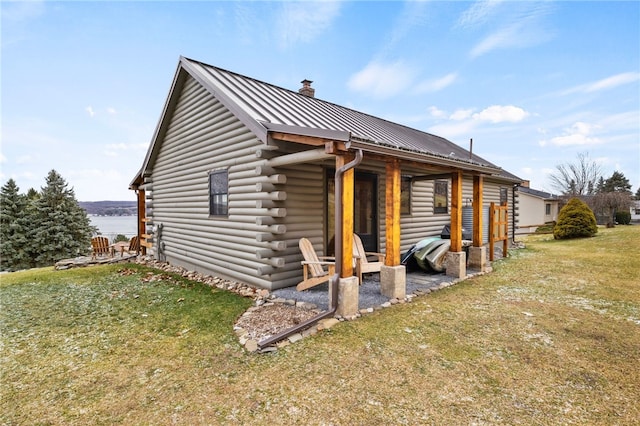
x: 306, y: 89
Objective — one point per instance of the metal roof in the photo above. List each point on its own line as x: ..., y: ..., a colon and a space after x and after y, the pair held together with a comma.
x: 264, y: 107
x: 537, y: 193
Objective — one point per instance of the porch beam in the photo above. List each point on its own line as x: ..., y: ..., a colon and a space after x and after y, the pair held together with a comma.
x: 478, y: 183
x: 346, y: 204
x: 456, y: 211
x: 392, y: 213
x: 303, y: 139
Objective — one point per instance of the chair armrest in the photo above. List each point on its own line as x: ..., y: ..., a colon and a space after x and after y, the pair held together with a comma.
x: 380, y: 256
x: 304, y: 262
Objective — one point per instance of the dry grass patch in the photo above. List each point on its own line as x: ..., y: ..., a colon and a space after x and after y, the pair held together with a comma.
x: 551, y: 337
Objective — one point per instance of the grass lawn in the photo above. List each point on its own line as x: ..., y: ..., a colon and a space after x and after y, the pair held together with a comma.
x: 552, y: 336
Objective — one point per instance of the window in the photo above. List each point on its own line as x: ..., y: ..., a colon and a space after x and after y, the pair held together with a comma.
x: 405, y: 195
x: 218, y: 193
x: 504, y: 195
x: 547, y: 209
x: 440, y: 197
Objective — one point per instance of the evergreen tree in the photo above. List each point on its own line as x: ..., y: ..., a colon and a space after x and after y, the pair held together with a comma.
x: 638, y: 194
x: 575, y: 220
x: 61, y: 227
x: 617, y: 183
x: 13, y: 230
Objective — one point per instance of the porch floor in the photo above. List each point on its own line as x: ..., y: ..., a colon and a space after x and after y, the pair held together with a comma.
x: 418, y: 282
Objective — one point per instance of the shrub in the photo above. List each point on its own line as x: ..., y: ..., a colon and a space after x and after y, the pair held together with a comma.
x: 623, y: 217
x: 575, y: 220
x: 547, y: 228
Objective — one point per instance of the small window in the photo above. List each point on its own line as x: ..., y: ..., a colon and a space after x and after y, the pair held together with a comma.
x: 547, y: 209
x: 504, y: 196
x: 440, y: 197
x: 218, y: 193
x: 405, y: 195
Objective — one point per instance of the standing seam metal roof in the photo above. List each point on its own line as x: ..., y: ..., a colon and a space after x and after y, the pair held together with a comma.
x: 265, y: 103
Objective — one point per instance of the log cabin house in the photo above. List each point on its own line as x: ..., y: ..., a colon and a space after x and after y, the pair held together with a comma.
x: 238, y: 170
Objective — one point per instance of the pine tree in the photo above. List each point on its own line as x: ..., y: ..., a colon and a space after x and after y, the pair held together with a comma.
x: 61, y: 227
x: 617, y: 183
x: 13, y: 230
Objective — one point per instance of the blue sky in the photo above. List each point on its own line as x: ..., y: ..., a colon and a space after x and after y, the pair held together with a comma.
x: 533, y: 83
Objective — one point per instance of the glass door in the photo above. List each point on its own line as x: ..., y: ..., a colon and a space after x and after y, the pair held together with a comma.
x: 365, y: 211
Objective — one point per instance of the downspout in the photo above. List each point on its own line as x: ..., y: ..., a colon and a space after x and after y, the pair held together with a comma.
x: 333, y: 282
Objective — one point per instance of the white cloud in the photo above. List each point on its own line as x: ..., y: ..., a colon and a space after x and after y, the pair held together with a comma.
x: 453, y: 130
x: 478, y: 13
x: 437, y: 84
x: 436, y: 112
x: 501, y: 113
x: 461, y: 114
x: 605, y: 83
x: 301, y: 22
x: 382, y: 80
x: 579, y: 134
x: 90, y: 111
x: 519, y: 27
x: 463, y: 122
x: 111, y: 111
x: 3, y: 159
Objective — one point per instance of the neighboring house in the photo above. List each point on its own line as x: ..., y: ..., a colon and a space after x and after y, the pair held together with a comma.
x: 239, y: 170
x: 535, y: 208
x: 635, y: 211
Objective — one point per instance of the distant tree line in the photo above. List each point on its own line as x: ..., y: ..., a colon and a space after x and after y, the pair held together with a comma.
x: 110, y: 208
x: 610, y: 199
x: 41, y: 227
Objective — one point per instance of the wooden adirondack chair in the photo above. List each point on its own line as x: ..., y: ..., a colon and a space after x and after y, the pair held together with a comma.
x: 313, y: 267
x: 363, y: 265
x: 134, y: 246
x: 100, y: 246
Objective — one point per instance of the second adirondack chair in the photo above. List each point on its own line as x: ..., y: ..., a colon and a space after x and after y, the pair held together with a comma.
x: 363, y: 265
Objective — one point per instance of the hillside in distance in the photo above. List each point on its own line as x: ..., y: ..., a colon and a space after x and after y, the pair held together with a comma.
x: 109, y: 208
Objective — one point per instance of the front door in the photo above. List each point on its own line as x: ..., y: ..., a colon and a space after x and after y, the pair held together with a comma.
x: 365, y: 211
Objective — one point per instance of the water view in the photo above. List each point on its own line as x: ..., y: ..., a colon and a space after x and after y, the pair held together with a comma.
x: 111, y: 226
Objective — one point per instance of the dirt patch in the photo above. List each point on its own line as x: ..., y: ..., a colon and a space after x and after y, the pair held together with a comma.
x: 272, y: 318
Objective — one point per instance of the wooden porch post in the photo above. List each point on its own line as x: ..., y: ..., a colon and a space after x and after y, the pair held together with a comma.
x: 142, y: 215
x: 477, y: 210
x: 456, y: 211
x: 392, y: 213
x: 346, y: 205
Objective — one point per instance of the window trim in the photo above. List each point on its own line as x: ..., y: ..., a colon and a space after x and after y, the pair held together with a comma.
x: 441, y: 209
x: 224, y: 202
x: 504, y: 195
x: 405, y: 206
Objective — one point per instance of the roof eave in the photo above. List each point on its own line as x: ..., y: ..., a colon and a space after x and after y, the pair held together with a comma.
x: 425, y: 157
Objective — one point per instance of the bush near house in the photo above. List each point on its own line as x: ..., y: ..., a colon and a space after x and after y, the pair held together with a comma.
x: 623, y: 217
x: 547, y: 228
x: 575, y: 220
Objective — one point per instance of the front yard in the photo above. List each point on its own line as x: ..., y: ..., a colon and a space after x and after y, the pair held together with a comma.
x: 552, y: 336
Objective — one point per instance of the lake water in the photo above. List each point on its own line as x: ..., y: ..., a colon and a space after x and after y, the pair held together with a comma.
x: 111, y: 226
